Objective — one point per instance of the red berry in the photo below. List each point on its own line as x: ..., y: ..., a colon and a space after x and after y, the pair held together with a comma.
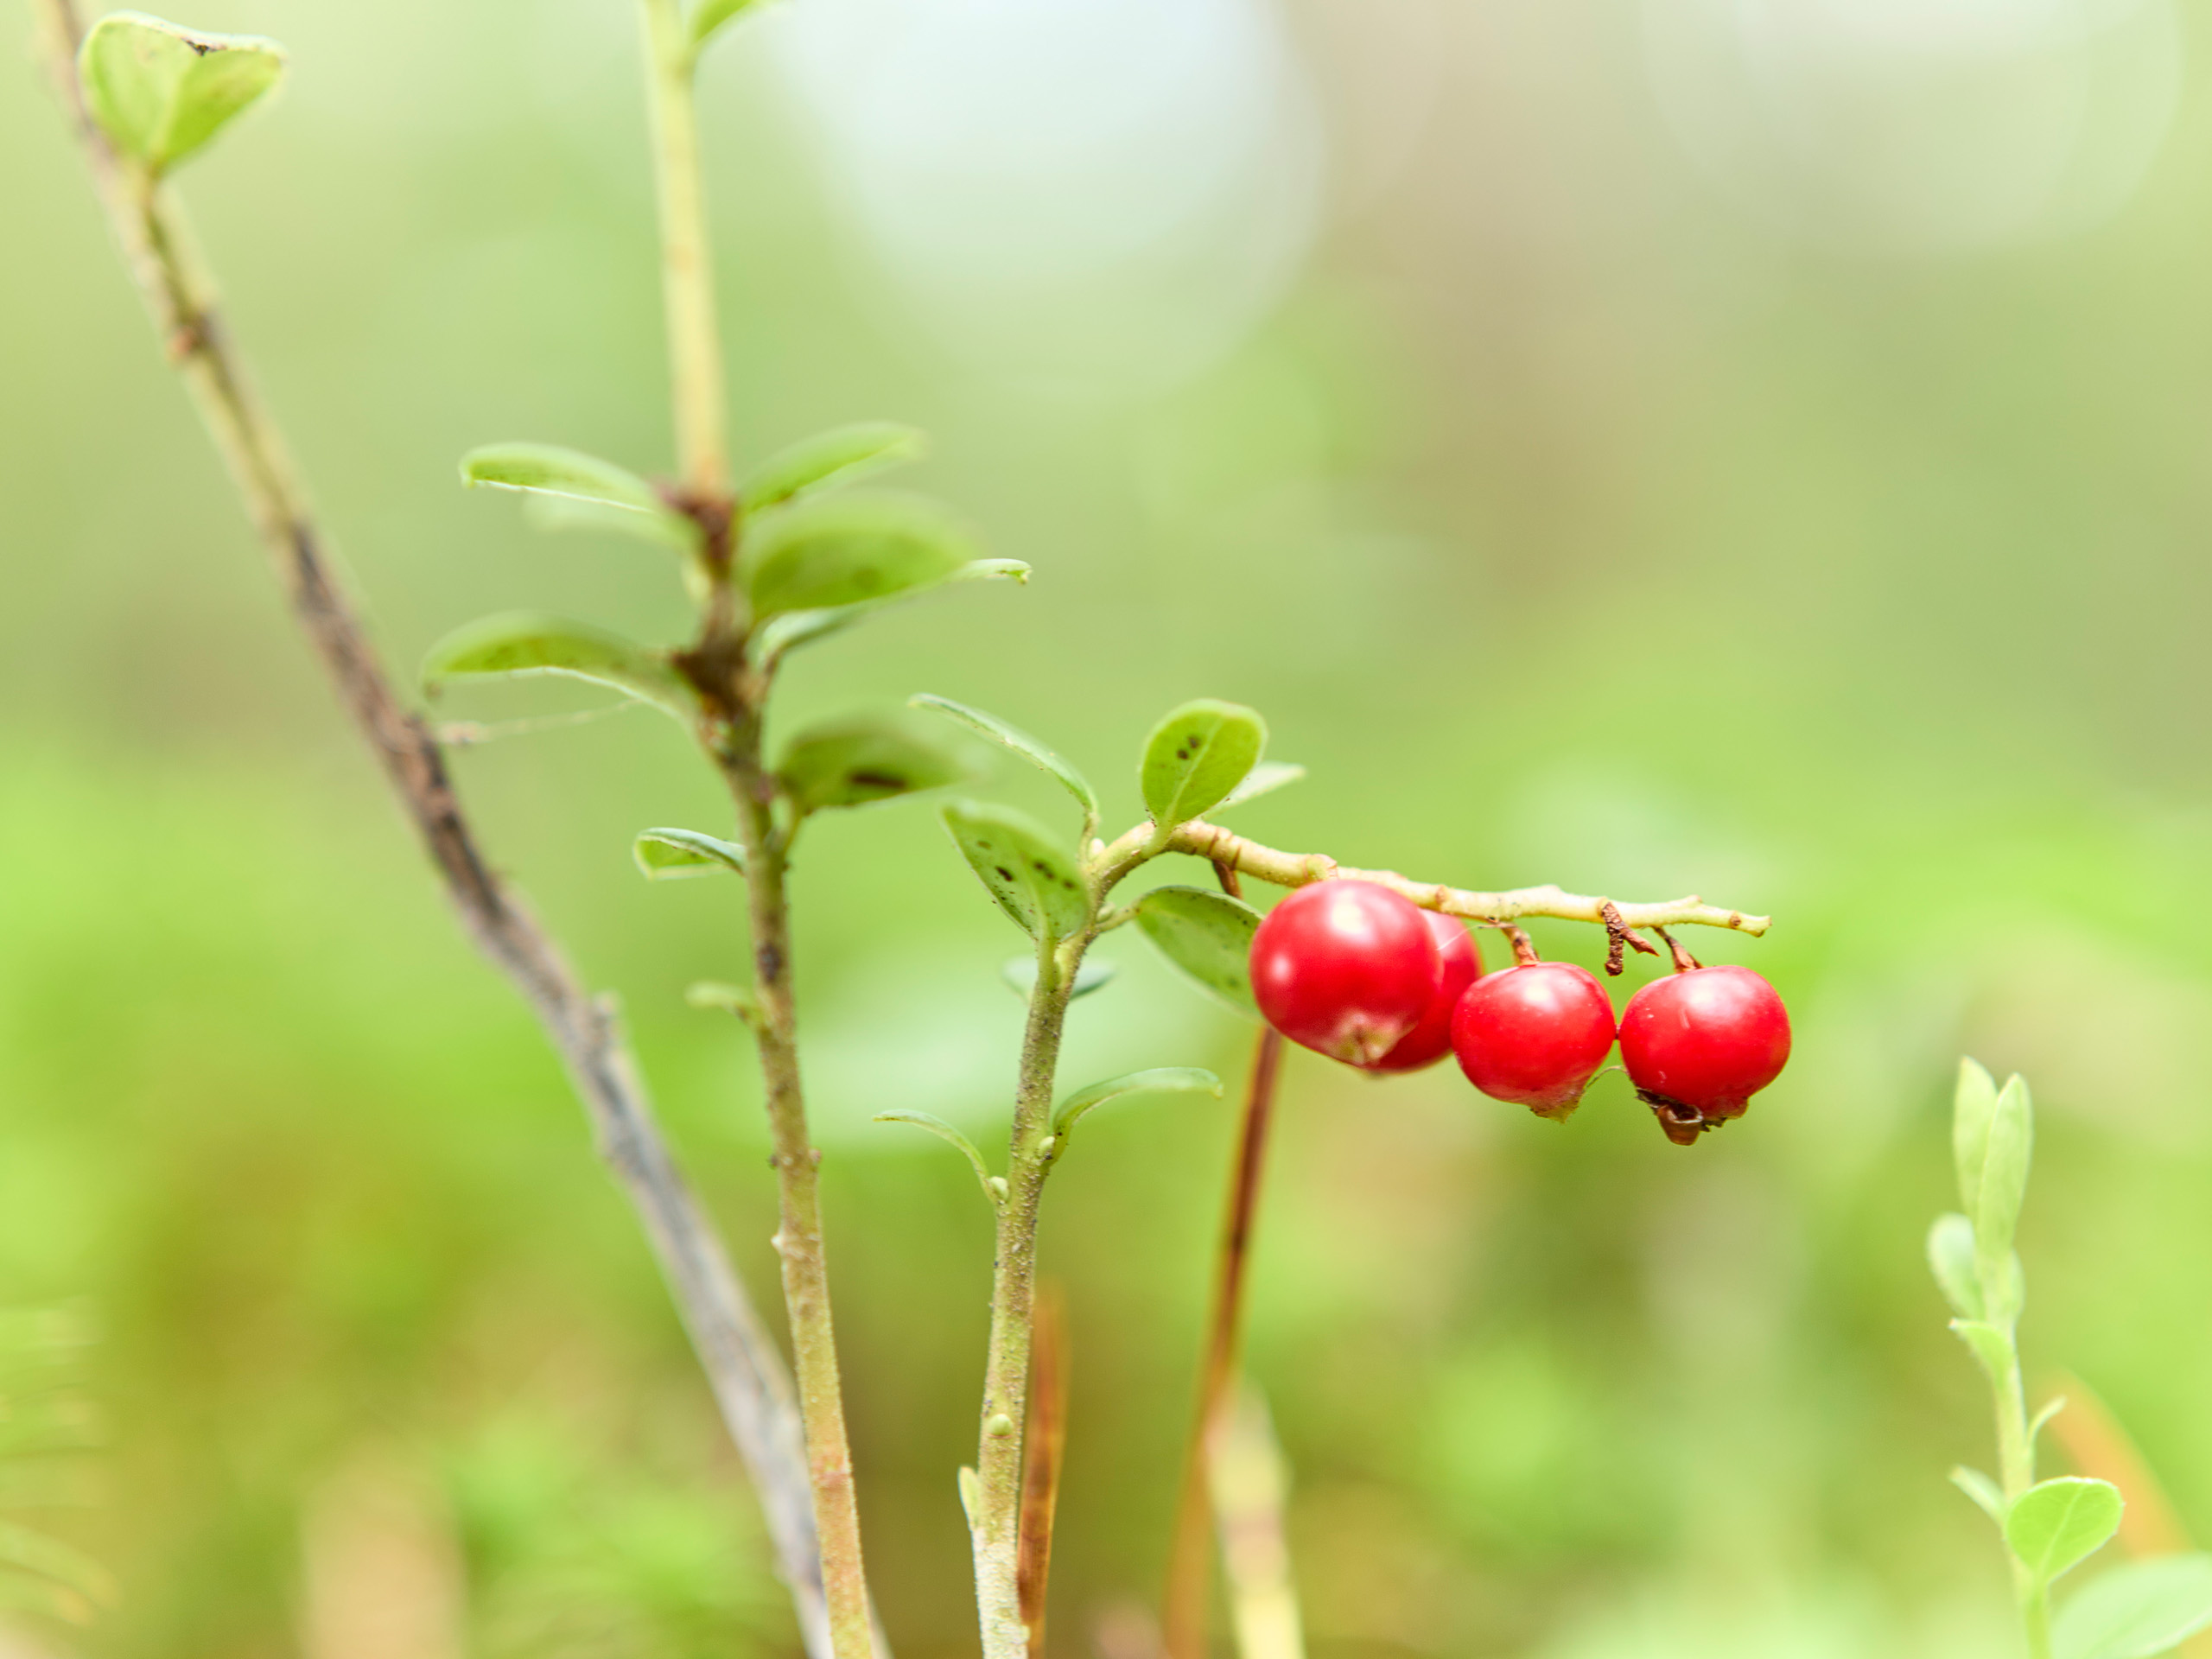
x: 1346, y: 967
x: 1700, y: 1044
x: 1533, y: 1035
x: 1431, y: 1040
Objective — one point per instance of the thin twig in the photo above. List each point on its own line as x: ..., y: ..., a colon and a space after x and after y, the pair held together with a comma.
x: 1220, y: 846
x: 748, y: 1375
x: 1190, y: 1556
x: 1618, y: 935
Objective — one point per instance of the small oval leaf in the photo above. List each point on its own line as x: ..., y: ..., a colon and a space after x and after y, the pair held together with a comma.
x: 1020, y: 973
x: 549, y: 469
x: 1165, y: 1079
x: 577, y: 513
x: 829, y: 459
x: 1951, y: 1259
x: 529, y: 642
x: 867, y: 758
x: 945, y: 1131
x: 1015, y: 857
x: 672, y: 855
x: 1195, y: 758
x: 839, y: 551
x: 2057, y: 1524
x: 714, y: 995
x: 1988, y: 1497
x: 2004, y: 1182
x: 1991, y: 1347
x: 779, y: 634
x: 160, y: 92
x: 1206, y: 934
x: 2137, y: 1611
x: 1263, y: 779
x: 1021, y: 742
x: 1973, y: 1102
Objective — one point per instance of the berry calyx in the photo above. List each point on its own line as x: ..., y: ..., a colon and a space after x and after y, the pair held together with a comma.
x: 1461, y: 965
x: 1699, y: 1045
x: 1344, y: 967
x: 1533, y: 1035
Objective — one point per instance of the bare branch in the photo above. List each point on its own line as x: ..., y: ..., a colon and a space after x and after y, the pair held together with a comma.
x: 750, y: 1383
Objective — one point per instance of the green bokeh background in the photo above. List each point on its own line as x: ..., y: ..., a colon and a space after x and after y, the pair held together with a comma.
x: 1567, y: 521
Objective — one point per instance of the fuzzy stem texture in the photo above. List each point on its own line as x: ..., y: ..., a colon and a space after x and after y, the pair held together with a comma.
x: 1210, y: 841
x: 995, y: 1525
x: 746, y: 1372
x: 799, y: 1231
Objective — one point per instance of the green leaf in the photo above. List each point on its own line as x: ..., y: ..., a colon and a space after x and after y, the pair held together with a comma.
x: 1974, y: 1104
x: 2057, y: 1523
x: 1951, y: 1259
x: 577, y: 513
x: 1263, y: 779
x: 674, y: 855
x: 1988, y: 1497
x: 829, y: 459
x: 1992, y: 1346
x: 945, y: 1131
x: 2004, y: 1187
x: 1165, y: 1079
x: 1020, y: 741
x: 864, y: 759
x: 1195, y: 758
x: 792, y: 629
x: 547, y: 469
x: 2055, y: 1404
x: 2137, y: 1611
x: 528, y: 642
x: 832, y: 551
x: 1206, y: 934
x: 712, y: 994
x: 1020, y: 973
x: 1016, y: 858
x: 159, y: 92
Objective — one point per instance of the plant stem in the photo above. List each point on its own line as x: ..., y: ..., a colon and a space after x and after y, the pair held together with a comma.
x: 2016, y: 1462
x: 1208, y: 840
x: 694, y: 352
x: 747, y: 1374
x: 995, y: 1526
x: 799, y: 1231
x: 697, y: 391
x: 1190, y: 1556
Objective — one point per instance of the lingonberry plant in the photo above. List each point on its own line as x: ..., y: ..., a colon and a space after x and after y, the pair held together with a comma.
x: 2048, y: 1527
x: 1369, y: 967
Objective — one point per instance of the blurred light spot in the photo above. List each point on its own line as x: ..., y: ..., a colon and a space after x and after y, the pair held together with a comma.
x: 1102, y: 198
x: 1920, y: 126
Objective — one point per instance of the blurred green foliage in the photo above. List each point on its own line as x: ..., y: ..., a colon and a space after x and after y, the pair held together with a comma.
x: 1567, y: 523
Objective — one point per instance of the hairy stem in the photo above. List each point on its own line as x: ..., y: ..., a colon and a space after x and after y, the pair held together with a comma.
x: 995, y: 1525
x: 695, y: 351
x: 799, y: 1232
x: 747, y: 1374
x: 1190, y: 1556
x: 1208, y: 840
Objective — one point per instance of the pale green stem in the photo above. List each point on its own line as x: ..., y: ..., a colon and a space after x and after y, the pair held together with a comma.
x: 995, y: 1525
x: 2015, y: 1456
x: 695, y: 351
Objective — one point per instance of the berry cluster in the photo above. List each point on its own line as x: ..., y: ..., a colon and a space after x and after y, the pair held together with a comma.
x: 1352, y: 970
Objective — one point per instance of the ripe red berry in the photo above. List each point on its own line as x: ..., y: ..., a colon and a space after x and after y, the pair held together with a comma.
x: 1700, y: 1044
x: 1346, y: 967
x: 1533, y: 1035
x: 1462, y: 965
